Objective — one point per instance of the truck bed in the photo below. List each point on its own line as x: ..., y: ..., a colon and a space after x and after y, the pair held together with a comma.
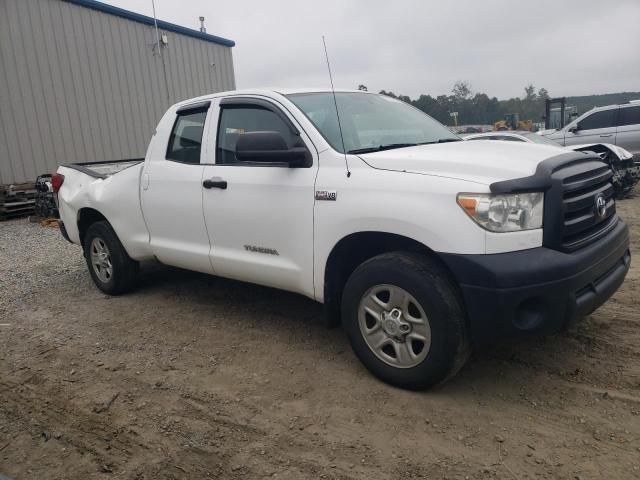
x: 104, y: 169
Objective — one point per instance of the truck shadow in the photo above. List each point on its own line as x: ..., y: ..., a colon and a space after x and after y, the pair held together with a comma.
x: 282, y: 312
x: 577, y: 356
x: 241, y: 297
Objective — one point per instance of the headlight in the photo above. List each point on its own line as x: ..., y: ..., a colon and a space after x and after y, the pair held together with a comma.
x: 504, y: 213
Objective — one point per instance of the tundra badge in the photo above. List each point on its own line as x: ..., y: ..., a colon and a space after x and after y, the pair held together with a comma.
x: 253, y: 248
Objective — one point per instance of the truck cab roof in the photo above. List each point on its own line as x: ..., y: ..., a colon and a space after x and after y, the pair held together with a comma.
x: 270, y: 92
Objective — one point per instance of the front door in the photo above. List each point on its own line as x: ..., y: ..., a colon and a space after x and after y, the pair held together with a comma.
x: 172, y: 192
x: 260, y: 216
x: 599, y: 127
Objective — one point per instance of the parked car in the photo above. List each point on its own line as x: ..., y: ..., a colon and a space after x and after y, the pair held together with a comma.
x: 616, y: 124
x: 418, y: 243
x: 625, y: 168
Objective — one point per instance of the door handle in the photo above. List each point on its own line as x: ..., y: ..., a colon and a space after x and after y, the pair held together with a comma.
x: 606, y: 135
x: 215, y: 182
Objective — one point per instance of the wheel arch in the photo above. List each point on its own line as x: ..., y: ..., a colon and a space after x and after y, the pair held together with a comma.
x: 354, y: 249
x: 87, y: 216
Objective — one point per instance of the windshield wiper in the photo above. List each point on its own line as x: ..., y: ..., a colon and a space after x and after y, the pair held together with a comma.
x: 380, y: 148
x: 442, y: 140
x: 391, y: 146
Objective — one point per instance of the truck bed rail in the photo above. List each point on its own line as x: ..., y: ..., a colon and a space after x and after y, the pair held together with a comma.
x: 104, y: 169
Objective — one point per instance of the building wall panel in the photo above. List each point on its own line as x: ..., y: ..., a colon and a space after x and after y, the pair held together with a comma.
x: 81, y: 85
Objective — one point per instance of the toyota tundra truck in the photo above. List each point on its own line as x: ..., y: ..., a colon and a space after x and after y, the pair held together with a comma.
x: 420, y: 245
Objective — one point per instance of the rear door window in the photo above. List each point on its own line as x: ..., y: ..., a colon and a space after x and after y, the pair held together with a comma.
x: 185, y: 141
x: 629, y: 116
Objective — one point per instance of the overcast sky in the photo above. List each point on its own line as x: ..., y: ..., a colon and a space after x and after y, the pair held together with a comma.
x: 574, y: 47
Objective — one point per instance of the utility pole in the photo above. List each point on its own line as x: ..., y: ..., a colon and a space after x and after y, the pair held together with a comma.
x: 455, y: 118
x: 164, y: 67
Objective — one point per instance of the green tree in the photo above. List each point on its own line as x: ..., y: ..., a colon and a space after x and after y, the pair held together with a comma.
x: 530, y: 93
x: 543, y: 94
x: 479, y: 108
x: 461, y: 90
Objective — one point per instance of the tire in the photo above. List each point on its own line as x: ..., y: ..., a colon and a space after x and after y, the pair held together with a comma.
x: 117, y: 272
x: 429, y: 295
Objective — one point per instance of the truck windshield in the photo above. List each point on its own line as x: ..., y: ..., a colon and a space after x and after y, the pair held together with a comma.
x: 370, y: 122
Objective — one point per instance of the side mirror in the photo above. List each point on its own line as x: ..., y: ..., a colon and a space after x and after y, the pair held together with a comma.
x: 574, y: 128
x: 270, y: 147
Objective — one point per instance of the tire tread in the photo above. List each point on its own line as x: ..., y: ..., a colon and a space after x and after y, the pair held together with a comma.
x: 457, y: 348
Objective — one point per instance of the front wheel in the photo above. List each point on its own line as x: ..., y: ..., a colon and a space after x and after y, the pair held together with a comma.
x: 111, y: 268
x: 404, y: 320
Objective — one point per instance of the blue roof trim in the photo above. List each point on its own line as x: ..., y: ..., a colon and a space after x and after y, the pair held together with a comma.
x: 137, y: 17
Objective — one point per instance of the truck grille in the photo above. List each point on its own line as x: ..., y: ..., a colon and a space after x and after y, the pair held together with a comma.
x: 577, y: 186
x: 582, y: 184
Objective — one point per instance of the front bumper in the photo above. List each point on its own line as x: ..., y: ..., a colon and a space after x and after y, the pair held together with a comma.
x: 538, y: 290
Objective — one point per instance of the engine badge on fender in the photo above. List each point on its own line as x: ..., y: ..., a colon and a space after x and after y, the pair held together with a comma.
x: 330, y: 195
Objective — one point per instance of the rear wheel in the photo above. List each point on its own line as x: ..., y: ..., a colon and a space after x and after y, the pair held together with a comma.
x: 111, y: 268
x: 404, y: 320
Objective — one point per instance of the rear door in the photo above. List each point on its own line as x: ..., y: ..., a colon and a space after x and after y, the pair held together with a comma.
x: 598, y: 127
x: 171, y: 190
x: 628, y: 135
x: 260, y: 216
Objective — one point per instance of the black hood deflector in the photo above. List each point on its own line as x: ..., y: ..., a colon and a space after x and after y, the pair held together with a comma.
x: 541, y: 181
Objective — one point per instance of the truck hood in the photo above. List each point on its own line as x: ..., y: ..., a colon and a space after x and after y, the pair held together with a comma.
x: 482, y: 162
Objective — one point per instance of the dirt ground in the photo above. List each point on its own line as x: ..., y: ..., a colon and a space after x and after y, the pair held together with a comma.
x: 199, y: 377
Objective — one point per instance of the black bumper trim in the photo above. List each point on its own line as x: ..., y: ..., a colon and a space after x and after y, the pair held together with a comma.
x: 538, y: 290
x: 591, y: 296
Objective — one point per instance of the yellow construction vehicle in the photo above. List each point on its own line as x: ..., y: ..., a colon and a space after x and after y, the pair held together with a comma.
x: 512, y: 122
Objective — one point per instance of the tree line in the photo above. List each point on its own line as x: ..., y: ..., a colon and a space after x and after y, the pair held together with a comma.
x: 478, y: 108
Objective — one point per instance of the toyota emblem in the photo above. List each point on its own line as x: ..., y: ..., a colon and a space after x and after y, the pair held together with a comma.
x: 601, y: 206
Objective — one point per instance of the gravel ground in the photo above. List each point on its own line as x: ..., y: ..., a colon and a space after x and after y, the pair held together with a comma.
x: 199, y: 377
x: 32, y: 258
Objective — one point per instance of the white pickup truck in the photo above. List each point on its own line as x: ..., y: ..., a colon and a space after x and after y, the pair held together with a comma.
x: 418, y: 243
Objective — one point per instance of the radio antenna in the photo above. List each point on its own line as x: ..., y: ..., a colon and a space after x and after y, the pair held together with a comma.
x: 335, y: 102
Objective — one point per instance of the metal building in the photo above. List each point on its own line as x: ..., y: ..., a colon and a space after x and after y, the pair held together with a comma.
x: 84, y: 81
